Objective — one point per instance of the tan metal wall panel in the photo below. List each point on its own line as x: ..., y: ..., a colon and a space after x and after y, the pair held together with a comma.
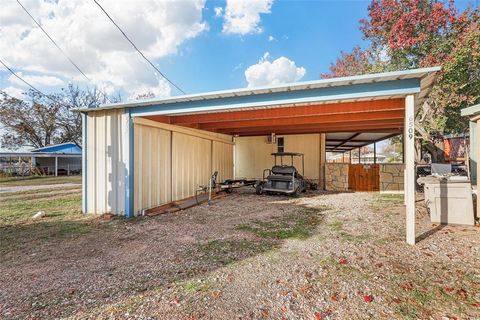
x: 152, y: 180
x: 222, y: 160
x: 252, y: 154
x: 309, y: 145
x: 191, y: 164
x: 154, y: 149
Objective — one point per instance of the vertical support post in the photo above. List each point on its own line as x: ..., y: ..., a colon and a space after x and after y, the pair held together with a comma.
x: 359, y: 155
x: 128, y: 158
x: 409, y: 139
x: 323, y: 159
x: 374, y: 153
x: 350, y: 156
x: 84, y: 163
x: 56, y: 166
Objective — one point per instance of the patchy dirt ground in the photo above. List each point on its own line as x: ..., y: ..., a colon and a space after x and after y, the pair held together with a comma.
x: 322, y: 256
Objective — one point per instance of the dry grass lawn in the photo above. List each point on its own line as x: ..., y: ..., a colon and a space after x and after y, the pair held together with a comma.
x: 324, y: 255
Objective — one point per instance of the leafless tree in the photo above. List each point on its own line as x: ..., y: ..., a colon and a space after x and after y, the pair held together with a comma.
x: 37, y: 120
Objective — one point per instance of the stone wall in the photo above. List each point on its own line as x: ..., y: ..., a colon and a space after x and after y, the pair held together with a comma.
x: 336, y: 176
x: 391, y: 177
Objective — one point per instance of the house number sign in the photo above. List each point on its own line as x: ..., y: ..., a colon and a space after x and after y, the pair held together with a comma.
x: 411, y: 127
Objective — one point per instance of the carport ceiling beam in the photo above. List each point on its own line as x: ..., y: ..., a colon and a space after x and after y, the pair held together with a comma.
x: 289, y: 112
x: 279, y: 131
x: 347, y: 140
x: 312, y: 119
x: 364, y: 126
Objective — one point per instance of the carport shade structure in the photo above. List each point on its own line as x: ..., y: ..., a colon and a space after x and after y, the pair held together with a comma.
x: 349, y: 111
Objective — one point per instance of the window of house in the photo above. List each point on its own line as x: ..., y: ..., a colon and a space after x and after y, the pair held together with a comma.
x: 280, y: 144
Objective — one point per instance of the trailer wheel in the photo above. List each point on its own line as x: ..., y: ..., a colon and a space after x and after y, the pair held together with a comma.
x: 259, y: 189
x: 313, y: 186
x: 229, y: 190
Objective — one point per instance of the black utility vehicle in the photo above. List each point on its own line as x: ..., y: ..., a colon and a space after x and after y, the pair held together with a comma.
x: 284, y: 179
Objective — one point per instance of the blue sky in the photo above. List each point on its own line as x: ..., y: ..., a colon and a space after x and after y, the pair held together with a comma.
x: 311, y: 33
x: 201, y: 45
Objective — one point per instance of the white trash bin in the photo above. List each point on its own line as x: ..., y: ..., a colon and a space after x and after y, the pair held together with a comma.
x: 449, y: 200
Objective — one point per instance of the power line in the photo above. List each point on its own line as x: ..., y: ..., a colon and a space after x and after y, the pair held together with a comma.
x: 28, y: 84
x: 53, y: 41
x: 138, y: 50
x: 59, y: 48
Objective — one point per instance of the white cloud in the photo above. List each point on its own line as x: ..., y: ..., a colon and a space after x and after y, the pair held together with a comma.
x: 218, y: 11
x: 36, y: 81
x: 243, y: 17
x: 14, y: 92
x: 266, y: 72
x: 271, y: 38
x: 158, y: 28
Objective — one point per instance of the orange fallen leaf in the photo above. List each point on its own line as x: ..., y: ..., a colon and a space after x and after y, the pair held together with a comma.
x: 343, y: 261
x: 462, y: 294
x: 367, y: 298
x: 318, y: 315
x: 407, y: 286
x: 334, y: 297
x: 264, y: 313
x: 396, y: 300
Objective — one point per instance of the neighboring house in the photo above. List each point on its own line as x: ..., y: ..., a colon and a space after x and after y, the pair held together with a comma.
x: 59, y: 159
x: 365, y: 158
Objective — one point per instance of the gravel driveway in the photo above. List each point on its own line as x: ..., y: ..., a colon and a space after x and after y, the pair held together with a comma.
x: 321, y: 256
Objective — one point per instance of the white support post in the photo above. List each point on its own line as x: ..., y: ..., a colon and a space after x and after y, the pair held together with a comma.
x: 56, y: 166
x: 409, y: 147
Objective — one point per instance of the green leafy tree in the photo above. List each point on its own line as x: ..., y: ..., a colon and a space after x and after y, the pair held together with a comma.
x: 406, y: 34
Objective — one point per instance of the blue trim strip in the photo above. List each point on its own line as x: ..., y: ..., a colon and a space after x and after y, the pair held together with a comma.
x: 129, y: 169
x: 84, y: 164
x: 357, y: 91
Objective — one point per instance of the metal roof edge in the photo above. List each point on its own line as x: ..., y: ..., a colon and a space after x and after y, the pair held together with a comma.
x: 470, y: 111
x: 416, y: 73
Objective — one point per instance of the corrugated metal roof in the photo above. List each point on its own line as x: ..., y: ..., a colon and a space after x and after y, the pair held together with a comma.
x: 427, y: 76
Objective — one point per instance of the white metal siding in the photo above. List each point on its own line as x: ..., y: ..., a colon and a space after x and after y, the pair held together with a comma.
x: 105, y: 168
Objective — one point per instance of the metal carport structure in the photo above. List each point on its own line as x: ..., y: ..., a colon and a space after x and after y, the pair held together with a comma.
x: 126, y: 143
